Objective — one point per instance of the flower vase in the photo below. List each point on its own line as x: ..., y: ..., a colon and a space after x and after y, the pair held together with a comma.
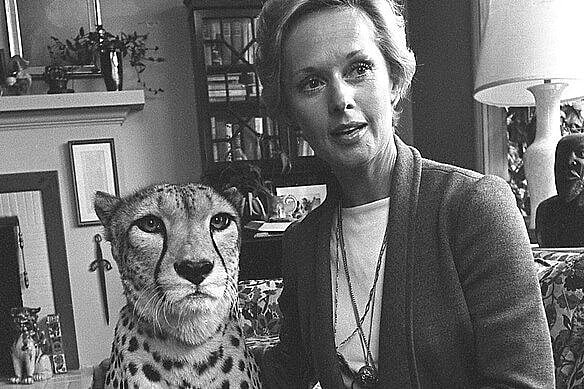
x: 111, y: 67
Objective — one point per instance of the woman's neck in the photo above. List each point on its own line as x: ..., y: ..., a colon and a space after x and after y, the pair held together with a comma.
x: 366, y: 183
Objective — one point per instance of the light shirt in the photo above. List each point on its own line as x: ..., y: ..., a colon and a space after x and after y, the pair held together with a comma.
x: 363, y: 231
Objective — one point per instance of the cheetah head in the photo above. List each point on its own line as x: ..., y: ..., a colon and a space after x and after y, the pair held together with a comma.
x: 177, y: 251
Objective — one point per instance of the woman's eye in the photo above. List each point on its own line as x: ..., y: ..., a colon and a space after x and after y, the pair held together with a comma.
x: 360, y: 69
x: 310, y: 84
x: 150, y: 224
x: 220, y: 222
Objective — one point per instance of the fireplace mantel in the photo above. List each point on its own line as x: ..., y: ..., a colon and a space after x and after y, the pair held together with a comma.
x: 90, y: 108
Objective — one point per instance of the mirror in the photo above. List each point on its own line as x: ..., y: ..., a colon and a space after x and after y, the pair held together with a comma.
x: 47, y: 182
x: 31, y: 23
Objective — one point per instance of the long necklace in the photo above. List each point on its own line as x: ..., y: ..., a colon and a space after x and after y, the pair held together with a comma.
x: 370, y: 300
x: 367, y: 375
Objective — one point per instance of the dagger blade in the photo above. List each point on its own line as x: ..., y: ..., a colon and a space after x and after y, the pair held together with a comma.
x: 101, y: 265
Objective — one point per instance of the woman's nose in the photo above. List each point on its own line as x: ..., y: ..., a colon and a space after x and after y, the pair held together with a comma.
x: 341, y: 97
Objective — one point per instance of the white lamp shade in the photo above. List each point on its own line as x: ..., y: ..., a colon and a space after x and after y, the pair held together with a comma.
x: 526, y: 42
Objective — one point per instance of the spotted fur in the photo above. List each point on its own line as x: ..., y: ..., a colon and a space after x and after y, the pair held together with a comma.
x: 177, y: 250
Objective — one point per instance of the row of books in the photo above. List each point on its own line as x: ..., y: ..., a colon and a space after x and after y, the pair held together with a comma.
x: 230, y: 87
x: 219, y: 34
x: 254, y: 139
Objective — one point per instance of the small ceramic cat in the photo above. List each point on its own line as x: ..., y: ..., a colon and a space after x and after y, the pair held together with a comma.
x: 29, y: 361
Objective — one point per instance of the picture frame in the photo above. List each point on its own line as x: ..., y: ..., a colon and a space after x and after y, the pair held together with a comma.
x: 306, y: 198
x: 93, y: 168
x: 29, y: 29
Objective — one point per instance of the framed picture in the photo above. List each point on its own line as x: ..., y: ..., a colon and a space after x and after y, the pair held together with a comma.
x: 93, y: 166
x: 296, y: 201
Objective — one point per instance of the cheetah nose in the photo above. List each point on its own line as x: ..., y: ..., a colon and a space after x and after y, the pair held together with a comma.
x: 194, y: 272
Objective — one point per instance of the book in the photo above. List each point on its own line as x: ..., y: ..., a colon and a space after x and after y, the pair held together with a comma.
x: 249, y: 40
x: 206, y: 43
x: 213, y: 137
x: 216, y: 50
x: 223, y: 140
x: 246, y: 38
x: 251, y: 138
x: 226, y: 52
x: 237, y: 39
x: 236, y: 148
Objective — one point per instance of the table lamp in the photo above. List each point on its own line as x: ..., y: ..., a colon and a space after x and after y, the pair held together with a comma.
x: 532, y: 54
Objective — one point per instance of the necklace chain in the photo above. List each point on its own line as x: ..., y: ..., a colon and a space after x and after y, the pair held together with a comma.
x: 365, y: 344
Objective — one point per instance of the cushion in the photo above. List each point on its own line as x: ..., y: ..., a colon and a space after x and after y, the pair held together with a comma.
x: 258, y: 304
x: 561, y: 277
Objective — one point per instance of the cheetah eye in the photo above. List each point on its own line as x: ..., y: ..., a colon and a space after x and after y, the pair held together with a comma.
x: 220, y: 221
x: 150, y: 224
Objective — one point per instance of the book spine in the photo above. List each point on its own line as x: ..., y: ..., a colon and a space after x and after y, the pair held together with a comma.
x: 222, y: 141
x: 237, y: 38
x: 226, y: 27
x: 248, y: 39
x: 206, y: 41
x: 213, y: 138
x: 216, y: 49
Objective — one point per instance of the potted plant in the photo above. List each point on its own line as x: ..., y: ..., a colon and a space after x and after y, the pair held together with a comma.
x: 91, y: 48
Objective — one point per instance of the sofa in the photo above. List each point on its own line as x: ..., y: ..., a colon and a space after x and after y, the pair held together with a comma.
x: 561, y: 276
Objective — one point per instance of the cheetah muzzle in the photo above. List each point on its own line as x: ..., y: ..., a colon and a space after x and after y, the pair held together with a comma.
x: 177, y: 251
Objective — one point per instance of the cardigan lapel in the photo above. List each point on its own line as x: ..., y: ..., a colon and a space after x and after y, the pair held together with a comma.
x: 394, y: 335
x: 395, y: 345
x: 323, y: 340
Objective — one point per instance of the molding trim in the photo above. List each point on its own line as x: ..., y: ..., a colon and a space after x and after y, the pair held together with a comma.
x: 90, y: 108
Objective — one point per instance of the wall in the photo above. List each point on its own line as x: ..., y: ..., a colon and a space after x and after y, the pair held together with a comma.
x: 442, y: 102
x: 157, y: 144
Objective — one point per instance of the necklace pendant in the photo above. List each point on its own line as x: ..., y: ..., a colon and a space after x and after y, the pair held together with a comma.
x: 367, y: 376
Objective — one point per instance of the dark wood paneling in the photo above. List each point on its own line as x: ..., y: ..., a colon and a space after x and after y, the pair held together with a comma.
x: 442, y: 102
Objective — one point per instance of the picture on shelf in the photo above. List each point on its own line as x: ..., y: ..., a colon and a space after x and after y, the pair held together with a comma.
x: 298, y: 201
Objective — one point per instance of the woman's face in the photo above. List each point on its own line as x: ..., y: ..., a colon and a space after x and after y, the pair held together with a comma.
x: 337, y: 86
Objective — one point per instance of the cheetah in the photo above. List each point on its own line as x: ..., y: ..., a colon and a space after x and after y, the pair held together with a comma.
x: 177, y: 250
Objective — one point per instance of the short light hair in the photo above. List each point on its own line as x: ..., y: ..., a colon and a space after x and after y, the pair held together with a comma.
x: 278, y: 16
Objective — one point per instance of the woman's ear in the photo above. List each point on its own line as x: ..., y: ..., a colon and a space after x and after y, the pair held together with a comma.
x: 394, y: 96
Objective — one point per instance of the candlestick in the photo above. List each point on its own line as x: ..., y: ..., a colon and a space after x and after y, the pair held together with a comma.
x: 97, y: 13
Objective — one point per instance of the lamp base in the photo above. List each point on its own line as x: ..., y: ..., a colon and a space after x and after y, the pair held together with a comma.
x: 540, y: 155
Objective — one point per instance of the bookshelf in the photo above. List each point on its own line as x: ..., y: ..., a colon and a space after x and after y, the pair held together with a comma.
x: 231, y: 119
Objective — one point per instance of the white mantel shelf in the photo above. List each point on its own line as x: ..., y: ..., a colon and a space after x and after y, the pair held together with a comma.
x: 67, y: 109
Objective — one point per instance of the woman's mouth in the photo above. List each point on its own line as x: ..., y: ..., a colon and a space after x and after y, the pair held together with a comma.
x: 348, y: 132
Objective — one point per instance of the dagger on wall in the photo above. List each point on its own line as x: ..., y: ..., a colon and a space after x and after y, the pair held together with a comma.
x: 101, y: 265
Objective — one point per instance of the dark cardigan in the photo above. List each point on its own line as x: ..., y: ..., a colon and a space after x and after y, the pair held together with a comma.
x: 461, y: 301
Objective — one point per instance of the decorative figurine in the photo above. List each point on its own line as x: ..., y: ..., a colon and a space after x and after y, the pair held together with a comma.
x: 19, y: 80
x: 559, y: 219
x: 29, y: 357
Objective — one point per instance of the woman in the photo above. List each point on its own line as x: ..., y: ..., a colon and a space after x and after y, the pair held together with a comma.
x: 412, y: 273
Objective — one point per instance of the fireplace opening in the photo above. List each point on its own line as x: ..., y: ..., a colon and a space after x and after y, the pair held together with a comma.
x: 47, y: 268
x: 10, y: 292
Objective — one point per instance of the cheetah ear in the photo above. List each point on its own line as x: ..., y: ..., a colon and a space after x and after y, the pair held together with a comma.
x: 235, y: 197
x: 104, y: 205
